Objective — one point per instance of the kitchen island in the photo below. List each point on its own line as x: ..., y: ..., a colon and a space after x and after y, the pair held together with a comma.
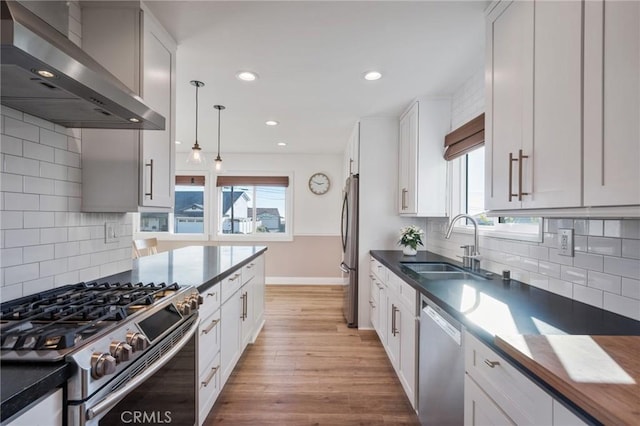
x: 489, y: 308
x: 200, y: 266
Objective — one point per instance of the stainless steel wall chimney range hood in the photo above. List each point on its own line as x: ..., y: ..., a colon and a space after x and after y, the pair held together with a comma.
x: 46, y: 75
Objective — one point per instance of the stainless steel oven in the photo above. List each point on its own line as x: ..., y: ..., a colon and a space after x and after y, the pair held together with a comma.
x: 133, y: 348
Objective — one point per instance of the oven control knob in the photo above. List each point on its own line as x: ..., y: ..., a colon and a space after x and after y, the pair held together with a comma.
x: 185, y: 308
x: 102, y: 364
x: 194, y: 301
x: 137, y: 341
x: 120, y: 351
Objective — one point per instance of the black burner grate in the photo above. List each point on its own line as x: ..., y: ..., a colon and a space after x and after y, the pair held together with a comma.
x: 60, y: 318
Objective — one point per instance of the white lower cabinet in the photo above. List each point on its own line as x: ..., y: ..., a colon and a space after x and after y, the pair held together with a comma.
x: 394, y: 316
x: 498, y: 394
x: 233, y: 314
x: 45, y: 412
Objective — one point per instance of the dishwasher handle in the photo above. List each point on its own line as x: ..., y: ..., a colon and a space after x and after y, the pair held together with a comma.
x: 451, y: 331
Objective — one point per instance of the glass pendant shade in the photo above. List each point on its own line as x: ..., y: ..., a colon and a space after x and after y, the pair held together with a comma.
x: 195, y: 156
x: 218, y: 159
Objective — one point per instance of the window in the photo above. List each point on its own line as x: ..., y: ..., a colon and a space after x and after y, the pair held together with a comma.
x: 468, y: 197
x: 254, y: 207
x: 188, y: 215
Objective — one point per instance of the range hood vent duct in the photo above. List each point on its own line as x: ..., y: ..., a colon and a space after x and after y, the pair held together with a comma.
x: 80, y: 93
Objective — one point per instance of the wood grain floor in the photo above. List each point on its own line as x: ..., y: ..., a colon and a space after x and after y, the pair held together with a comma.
x: 308, y: 368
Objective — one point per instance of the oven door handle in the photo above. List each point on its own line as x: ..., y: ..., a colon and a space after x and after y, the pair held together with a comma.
x: 115, y: 397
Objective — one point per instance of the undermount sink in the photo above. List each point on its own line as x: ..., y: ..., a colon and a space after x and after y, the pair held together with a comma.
x: 441, y: 271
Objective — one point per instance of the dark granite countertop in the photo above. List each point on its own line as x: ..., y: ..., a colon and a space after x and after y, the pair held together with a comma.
x: 200, y: 266
x: 490, y: 307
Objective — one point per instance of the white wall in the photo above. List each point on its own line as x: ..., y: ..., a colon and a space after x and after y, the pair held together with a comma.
x: 312, y: 214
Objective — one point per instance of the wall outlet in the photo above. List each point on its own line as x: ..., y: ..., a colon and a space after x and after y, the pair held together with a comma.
x: 565, y: 242
x: 111, y: 232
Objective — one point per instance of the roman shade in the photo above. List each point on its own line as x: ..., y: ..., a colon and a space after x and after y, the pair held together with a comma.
x: 190, y: 180
x: 252, y: 180
x: 464, y: 139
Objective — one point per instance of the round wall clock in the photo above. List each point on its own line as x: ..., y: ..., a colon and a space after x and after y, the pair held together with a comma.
x: 319, y: 183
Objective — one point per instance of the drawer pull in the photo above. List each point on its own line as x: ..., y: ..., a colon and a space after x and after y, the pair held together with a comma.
x: 206, y: 382
x: 213, y: 324
x: 491, y: 363
x: 211, y: 294
x: 235, y: 277
x: 373, y: 305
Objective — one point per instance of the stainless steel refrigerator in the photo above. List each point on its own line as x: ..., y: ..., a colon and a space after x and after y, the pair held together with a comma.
x: 349, y: 265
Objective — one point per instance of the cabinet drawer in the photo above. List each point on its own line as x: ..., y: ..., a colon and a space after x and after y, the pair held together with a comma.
x: 209, y: 335
x: 479, y: 409
x: 379, y: 270
x: 521, y: 399
x: 208, y: 387
x: 406, y: 294
x: 210, y: 301
x: 231, y: 284
x: 249, y: 271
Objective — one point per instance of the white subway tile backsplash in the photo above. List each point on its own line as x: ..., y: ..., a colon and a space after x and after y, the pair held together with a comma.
x: 67, y: 249
x: 53, y: 235
x: 580, y: 243
x: 549, y: 269
x: 15, y: 201
x: 38, y: 253
x: 622, y: 305
x: 631, y: 249
x: 67, y: 158
x: 36, y: 185
x: 11, y: 183
x: 20, y: 273
x: 37, y: 151
x: 596, y: 227
x: 575, y: 275
x: 74, y: 174
x: 556, y: 258
x: 10, y: 257
x: 74, y: 204
x: 21, y: 130
x: 631, y: 288
x: 581, y: 226
x: 79, y: 233
x: 613, y: 228
x: 563, y: 288
x: 539, y: 281
x: 539, y: 252
x: 21, y: 237
x: 67, y: 189
x: 11, y: 145
x: 35, y: 286
x: 90, y: 274
x: 631, y: 229
x: 11, y: 219
x: 53, y: 171
x: 10, y: 112
x: 37, y: 121
x: 53, y: 203
x: 79, y: 262
x: 53, y: 267
x: 53, y: 139
x: 74, y: 145
x: 8, y: 292
x: 590, y: 296
x: 71, y: 277
x: 38, y: 219
x: 594, y: 262
x: 21, y: 165
x: 606, y: 282
x: 629, y: 268
x: 603, y: 245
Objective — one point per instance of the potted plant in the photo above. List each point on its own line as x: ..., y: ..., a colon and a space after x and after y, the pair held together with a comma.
x: 410, y: 239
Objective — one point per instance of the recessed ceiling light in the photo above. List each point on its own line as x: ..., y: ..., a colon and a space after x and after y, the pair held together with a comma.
x: 178, y: 143
x: 372, y: 75
x: 247, y: 76
x: 271, y: 123
x: 281, y: 144
x: 45, y: 74
x: 134, y: 120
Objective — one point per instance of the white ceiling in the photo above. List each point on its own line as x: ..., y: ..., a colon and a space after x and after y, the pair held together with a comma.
x: 310, y: 57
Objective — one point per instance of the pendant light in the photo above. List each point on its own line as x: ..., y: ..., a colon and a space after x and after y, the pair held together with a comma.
x: 196, y: 157
x: 218, y: 160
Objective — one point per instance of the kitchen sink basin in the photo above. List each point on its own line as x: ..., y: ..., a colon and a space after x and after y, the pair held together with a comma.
x: 441, y: 271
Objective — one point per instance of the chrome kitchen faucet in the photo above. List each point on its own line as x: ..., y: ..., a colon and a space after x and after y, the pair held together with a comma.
x: 471, y: 257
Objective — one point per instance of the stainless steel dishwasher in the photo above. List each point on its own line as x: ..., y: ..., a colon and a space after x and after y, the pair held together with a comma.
x: 441, y: 367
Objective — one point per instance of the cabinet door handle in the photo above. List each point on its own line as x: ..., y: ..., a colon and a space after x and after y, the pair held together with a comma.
x: 210, y: 377
x: 404, y: 198
x: 491, y: 364
x: 213, y: 324
x: 246, y: 305
x: 520, y: 158
x: 511, y: 160
x: 373, y: 305
x: 235, y: 277
x: 394, y: 330
x: 150, y: 193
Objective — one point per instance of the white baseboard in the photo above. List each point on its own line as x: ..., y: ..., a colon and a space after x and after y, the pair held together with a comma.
x: 307, y: 280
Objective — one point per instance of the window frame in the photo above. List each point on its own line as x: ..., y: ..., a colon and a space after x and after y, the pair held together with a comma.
x: 261, y: 236
x: 457, y: 196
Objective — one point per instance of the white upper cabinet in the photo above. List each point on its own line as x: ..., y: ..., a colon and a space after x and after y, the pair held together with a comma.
x: 130, y: 170
x: 612, y: 103
x: 422, y: 170
x: 533, y: 116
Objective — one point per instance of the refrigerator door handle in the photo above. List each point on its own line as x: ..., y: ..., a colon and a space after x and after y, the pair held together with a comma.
x: 344, y: 268
x: 344, y: 225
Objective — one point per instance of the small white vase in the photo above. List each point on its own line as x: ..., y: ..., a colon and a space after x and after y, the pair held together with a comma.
x: 409, y: 251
